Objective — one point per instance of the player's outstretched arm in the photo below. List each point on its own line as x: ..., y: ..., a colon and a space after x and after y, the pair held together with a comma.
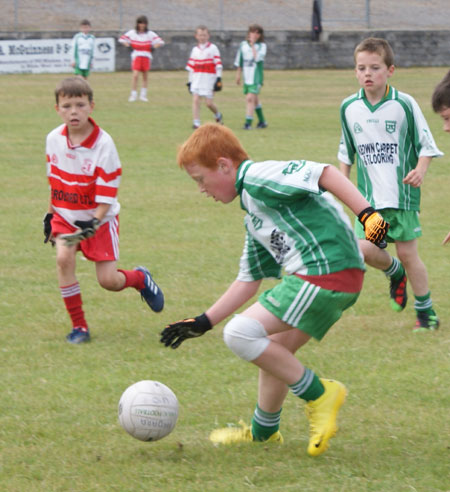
x: 175, y: 334
x: 375, y: 226
x: 446, y: 239
x: 235, y: 296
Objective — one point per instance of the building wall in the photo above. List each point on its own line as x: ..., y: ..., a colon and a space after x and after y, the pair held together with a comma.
x: 286, y: 49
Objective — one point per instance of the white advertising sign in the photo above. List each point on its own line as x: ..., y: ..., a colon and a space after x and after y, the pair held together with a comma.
x: 52, y: 55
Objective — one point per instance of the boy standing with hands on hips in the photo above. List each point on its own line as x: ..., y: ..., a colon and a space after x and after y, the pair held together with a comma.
x: 385, y: 131
x: 84, y: 170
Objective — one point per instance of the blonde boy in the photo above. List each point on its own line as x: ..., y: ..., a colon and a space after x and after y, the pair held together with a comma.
x: 385, y: 131
x: 291, y: 224
x: 84, y: 170
x: 205, y: 75
x: 441, y: 105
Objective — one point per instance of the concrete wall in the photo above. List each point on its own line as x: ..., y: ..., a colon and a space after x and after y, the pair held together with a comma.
x: 286, y: 49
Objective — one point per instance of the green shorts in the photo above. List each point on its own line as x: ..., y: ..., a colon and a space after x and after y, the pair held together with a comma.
x: 82, y: 72
x: 404, y: 225
x: 252, y: 88
x: 306, y: 306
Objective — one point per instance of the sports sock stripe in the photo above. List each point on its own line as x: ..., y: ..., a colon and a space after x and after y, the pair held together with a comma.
x: 70, y: 290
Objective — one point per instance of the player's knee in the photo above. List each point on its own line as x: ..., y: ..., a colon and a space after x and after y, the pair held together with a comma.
x: 246, y: 337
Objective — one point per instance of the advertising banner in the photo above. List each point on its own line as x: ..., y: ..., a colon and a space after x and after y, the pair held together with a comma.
x: 52, y: 55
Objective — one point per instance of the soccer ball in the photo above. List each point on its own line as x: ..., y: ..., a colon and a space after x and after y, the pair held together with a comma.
x: 148, y: 410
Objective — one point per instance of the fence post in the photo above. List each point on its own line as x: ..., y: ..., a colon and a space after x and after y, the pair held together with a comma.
x: 368, y: 13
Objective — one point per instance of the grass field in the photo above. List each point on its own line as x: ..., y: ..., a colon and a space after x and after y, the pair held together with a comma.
x: 58, y: 405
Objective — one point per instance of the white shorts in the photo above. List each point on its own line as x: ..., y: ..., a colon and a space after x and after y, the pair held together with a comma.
x: 202, y: 92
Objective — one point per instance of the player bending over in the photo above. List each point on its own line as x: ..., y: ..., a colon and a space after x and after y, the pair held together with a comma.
x: 291, y: 224
x: 84, y: 170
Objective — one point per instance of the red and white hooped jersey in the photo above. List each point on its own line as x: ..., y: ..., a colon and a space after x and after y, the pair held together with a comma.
x: 83, y: 176
x: 141, y: 42
x: 204, y: 66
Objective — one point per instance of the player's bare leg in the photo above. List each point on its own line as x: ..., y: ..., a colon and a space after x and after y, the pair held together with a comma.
x: 408, y: 254
x: 134, y: 80
x: 143, y: 94
x: 70, y: 291
x: 214, y: 109
x: 195, y: 111
x: 382, y: 260
x: 272, y: 391
x: 108, y: 276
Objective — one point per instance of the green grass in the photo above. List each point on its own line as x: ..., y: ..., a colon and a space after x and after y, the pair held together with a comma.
x: 58, y: 405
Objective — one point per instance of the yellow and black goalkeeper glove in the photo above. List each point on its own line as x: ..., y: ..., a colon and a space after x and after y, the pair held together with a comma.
x: 175, y: 334
x: 375, y: 227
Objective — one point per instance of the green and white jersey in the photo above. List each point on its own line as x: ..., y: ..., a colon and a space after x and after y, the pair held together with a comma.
x: 83, y: 50
x: 252, y: 68
x: 387, y: 140
x: 291, y: 223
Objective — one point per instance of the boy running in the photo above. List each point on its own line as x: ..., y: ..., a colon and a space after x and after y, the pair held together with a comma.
x: 291, y: 224
x: 205, y: 75
x: 385, y: 131
x: 441, y: 105
x: 84, y: 171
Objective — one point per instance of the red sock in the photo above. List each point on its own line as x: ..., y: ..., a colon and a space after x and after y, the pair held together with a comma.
x: 133, y: 278
x: 71, y: 295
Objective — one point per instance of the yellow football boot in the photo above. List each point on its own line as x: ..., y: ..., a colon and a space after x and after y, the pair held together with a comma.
x: 322, y: 416
x: 235, y: 435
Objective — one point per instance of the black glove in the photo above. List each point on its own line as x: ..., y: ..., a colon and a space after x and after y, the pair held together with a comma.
x: 218, y: 85
x: 375, y: 227
x: 88, y: 227
x: 175, y: 334
x: 48, y: 228
x: 189, y: 87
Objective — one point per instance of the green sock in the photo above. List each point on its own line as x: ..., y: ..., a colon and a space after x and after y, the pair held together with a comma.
x: 264, y: 424
x: 259, y: 113
x: 249, y: 120
x: 395, y: 270
x: 308, y: 387
x: 424, y: 304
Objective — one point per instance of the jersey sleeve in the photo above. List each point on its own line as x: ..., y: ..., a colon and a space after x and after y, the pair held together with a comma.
x: 191, y: 62
x: 238, y: 60
x: 277, y: 182
x: 125, y: 38
x: 108, y: 173
x: 217, y: 61
x: 347, y: 151
x: 73, y: 48
x: 256, y: 262
x: 155, y: 39
x: 423, y: 139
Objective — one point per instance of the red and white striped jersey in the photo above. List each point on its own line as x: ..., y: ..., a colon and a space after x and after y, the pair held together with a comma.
x: 141, y: 42
x: 81, y: 177
x: 204, y: 65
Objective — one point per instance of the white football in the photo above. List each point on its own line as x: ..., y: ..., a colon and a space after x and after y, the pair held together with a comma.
x: 148, y: 410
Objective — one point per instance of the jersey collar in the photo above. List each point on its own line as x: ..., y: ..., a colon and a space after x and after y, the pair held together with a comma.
x: 89, y: 142
x: 390, y: 93
x: 240, y: 175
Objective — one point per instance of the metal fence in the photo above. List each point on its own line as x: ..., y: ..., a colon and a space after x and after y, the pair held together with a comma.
x: 228, y: 15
